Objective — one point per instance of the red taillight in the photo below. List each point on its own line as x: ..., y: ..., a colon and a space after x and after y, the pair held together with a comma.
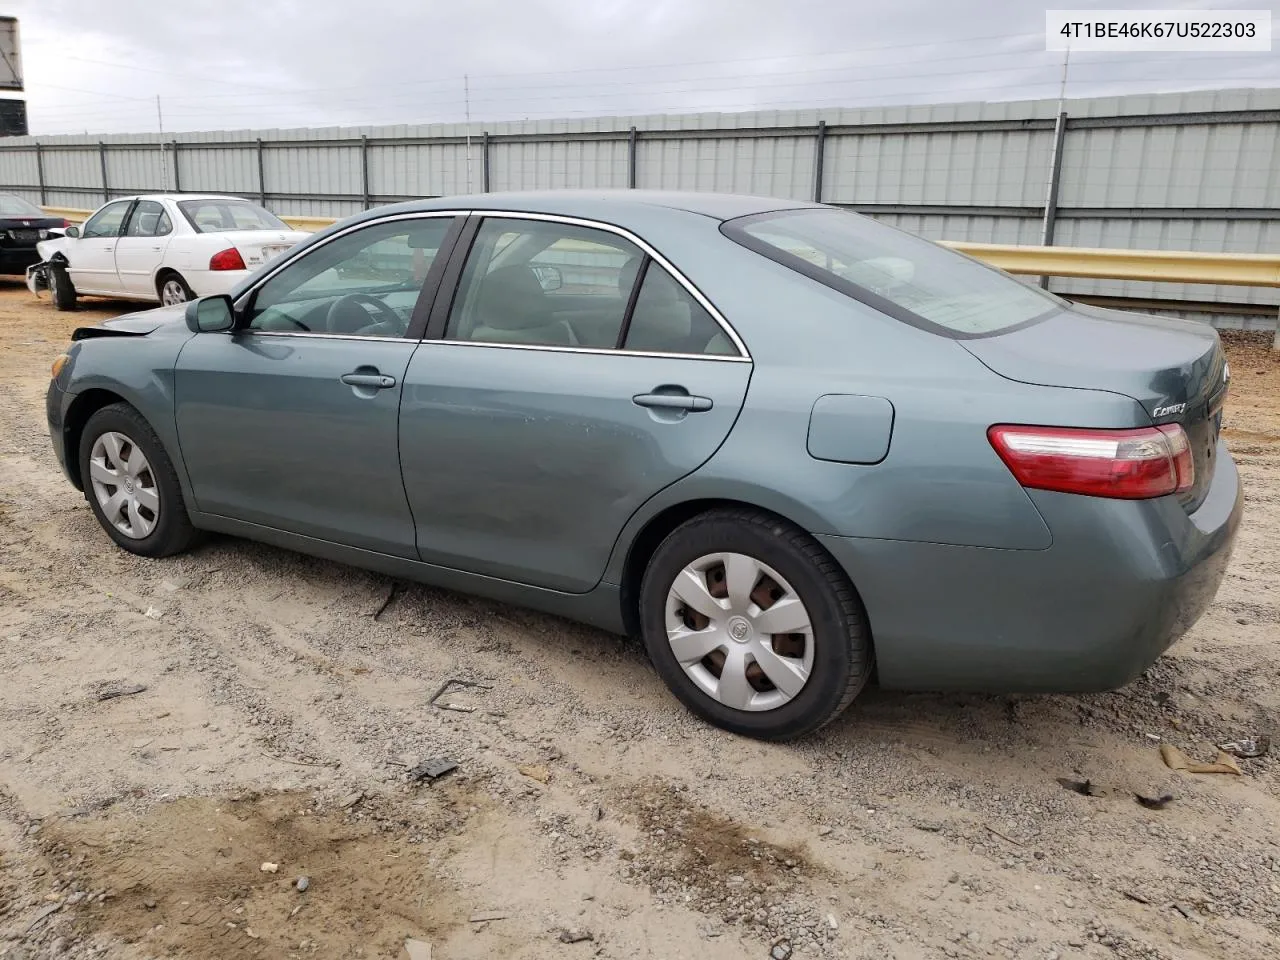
x: 64, y: 223
x: 228, y: 259
x: 1125, y: 464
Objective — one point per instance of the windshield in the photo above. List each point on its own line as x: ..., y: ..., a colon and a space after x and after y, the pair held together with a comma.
x: 897, y: 273
x: 11, y: 206
x: 221, y: 216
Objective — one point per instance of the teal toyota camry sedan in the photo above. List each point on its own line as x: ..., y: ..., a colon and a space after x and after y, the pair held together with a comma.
x: 787, y: 446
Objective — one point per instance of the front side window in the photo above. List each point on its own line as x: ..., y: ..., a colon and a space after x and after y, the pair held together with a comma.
x: 107, y: 221
x: 148, y: 219
x: 541, y: 282
x: 900, y: 274
x: 222, y: 216
x: 365, y: 283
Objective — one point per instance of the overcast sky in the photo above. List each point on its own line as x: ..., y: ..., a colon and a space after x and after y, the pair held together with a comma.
x: 97, y: 65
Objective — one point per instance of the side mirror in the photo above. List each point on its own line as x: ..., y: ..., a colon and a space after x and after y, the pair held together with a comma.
x: 550, y: 277
x: 72, y: 231
x: 211, y: 315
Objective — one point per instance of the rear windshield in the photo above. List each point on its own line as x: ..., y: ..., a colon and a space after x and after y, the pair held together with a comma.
x: 220, y: 216
x: 897, y: 273
x: 11, y: 206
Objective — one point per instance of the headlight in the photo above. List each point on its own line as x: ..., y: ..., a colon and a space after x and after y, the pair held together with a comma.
x: 44, y: 234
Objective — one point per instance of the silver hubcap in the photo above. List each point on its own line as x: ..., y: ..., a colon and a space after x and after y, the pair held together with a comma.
x: 172, y: 293
x: 740, y: 631
x: 124, y: 485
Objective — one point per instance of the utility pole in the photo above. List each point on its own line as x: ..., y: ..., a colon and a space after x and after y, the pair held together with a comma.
x: 466, y: 100
x: 164, y: 167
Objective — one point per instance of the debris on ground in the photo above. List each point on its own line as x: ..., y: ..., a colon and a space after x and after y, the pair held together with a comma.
x: 1135, y: 897
x: 391, y: 595
x: 268, y: 867
x: 484, y: 916
x: 303, y: 884
x: 449, y: 684
x: 535, y: 771
x: 122, y: 690
x: 43, y: 915
x: 1175, y: 759
x: 1154, y: 803
x: 575, y: 936
x: 1086, y: 788
x: 781, y: 950
x: 1249, y: 748
x: 417, y: 949
x: 432, y: 768
x: 154, y: 613
x: 350, y: 800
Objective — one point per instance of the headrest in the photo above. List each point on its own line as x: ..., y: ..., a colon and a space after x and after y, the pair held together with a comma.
x: 511, y: 298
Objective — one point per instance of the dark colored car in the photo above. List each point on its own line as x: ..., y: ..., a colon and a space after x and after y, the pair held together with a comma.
x: 773, y: 439
x: 22, y: 226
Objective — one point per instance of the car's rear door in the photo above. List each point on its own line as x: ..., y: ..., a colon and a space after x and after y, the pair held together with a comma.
x: 526, y: 448
x: 91, y: 257
x: 290, y: 421
x: 141, y: 246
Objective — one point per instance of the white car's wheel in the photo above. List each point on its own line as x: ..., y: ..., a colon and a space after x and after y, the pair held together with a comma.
x: 173, y: 290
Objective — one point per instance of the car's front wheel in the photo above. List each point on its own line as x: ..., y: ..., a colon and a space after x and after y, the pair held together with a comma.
x: 61, y: 289
x: 173, y: 290
x: 753, y: 626
x: 131, y: 484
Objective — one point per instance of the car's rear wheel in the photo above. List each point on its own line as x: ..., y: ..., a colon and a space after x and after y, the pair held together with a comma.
x: 131, y: 484
x: 173, y: 289
x: 61, y: 288
x: 753, y: 626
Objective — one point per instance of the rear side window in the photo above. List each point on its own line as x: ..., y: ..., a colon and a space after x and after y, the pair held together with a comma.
x: 897, y: 273
x: 667, y: 319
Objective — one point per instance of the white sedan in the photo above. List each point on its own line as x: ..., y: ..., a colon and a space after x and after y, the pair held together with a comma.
x: 160, y: 247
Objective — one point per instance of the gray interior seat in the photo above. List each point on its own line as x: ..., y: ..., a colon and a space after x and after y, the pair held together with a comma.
x: 511, y: 307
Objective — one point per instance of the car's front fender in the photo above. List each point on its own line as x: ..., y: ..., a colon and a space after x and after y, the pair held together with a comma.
x: 138, y: 370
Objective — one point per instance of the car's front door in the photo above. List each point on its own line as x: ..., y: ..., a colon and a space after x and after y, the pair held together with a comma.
x: 141, y: 246
x: 91, y: 257
x: 531, y: 429
x: 290, y: 421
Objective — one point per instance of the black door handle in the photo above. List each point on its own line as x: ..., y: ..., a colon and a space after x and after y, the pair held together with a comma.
x: 672, y: 401
x: 378, y: 381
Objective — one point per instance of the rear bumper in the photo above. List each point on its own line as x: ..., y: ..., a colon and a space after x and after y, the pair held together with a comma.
x: 207, y: 283
x: 1121, y: 582
x: 15, y: 260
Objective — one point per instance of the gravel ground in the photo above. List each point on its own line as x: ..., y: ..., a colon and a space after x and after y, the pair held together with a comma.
x: 589, y: 814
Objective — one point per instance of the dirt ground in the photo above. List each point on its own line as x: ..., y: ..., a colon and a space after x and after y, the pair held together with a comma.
x: 589, y: 815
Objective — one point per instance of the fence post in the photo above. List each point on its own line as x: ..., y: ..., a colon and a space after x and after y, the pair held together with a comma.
x: 177, y: 170
x: 631, y: 159
x: 1055, y: 180
x: 102, y: 161
x: 262, y: 176
x: 819, y: 149
x: 364, y: 171
x: 484, y: 162
x: 40, y: 172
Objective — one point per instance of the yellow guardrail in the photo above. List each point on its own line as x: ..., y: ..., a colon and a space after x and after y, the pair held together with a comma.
x: 1243, y: 269
x: 1233, y: 269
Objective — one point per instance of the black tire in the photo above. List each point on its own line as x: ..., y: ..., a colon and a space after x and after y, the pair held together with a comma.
x: 171, y: 275
x: 61, y: 289
x: 173, y: 532
x: 842, y: 655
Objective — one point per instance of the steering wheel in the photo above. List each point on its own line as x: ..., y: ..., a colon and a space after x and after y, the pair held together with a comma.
x: 383, y: 312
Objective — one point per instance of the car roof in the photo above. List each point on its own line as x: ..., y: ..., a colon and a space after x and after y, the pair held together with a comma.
x: 608, y: 204
x: 180, y: 196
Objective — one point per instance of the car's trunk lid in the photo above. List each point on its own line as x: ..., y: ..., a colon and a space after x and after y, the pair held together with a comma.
x: 1175, y: 369
x: 262, y: 246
